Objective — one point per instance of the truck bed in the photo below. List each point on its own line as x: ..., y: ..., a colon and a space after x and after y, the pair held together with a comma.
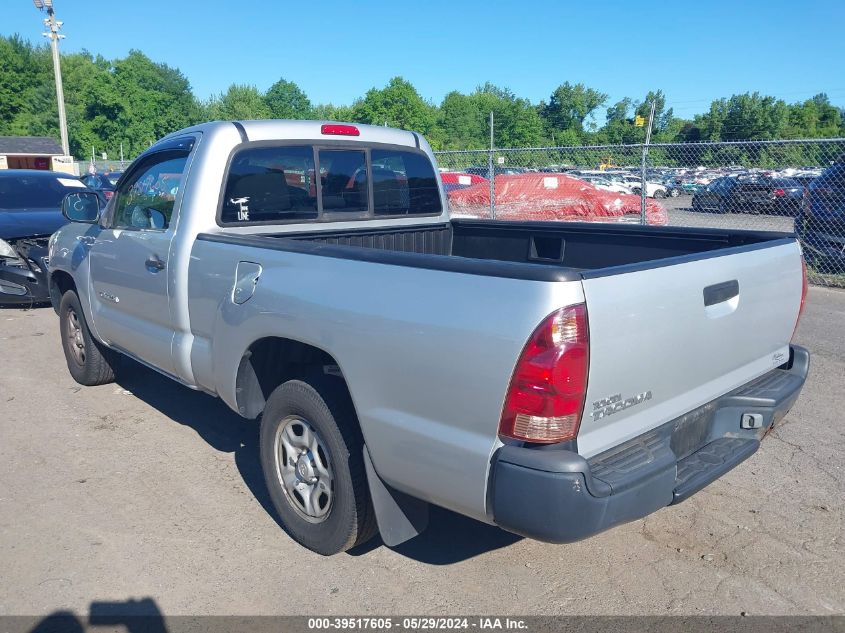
x: 540, y: 251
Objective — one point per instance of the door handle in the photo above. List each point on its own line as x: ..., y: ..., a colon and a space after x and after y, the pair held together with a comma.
x: 718, y: 293
x: 154, y: 264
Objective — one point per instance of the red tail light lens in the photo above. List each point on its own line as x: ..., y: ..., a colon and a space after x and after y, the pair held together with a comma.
x: 803, y: 296
x: 108, y: 194
x: 779, y: 192
x: 340, y: 130
x: 545, y: 398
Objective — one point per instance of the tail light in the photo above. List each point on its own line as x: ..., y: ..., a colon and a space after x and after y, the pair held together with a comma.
x: 779, y: 193
x: 803, y: 295
x: 340, y: 130
x: 545, y: 398
x: 108, y: 194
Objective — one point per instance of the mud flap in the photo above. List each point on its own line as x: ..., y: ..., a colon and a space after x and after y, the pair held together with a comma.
x: 400, y: 517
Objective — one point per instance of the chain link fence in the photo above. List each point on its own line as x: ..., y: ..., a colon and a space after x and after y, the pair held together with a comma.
x: 82, y: 167
x: 794, y: 186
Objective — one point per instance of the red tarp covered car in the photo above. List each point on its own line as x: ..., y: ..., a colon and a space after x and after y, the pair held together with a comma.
x: 547, y: 197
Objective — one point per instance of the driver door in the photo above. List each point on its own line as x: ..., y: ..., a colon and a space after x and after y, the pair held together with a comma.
x: 128, y: 261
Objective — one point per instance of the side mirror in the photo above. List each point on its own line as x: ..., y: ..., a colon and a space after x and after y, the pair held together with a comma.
x: 83, y: 206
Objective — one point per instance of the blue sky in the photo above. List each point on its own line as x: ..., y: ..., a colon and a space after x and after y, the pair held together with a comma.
x: 337, y: 50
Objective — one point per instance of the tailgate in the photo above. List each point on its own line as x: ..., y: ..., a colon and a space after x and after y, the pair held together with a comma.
x: 667, y: 339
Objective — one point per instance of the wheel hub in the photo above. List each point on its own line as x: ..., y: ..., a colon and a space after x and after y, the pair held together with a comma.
x: 303, y: 469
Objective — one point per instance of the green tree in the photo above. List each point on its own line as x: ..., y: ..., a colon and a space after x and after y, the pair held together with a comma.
x: 330, y: 112
x: 287, y: 101
x: 465, y: 119
x: 398, y: 104
x: 570, y: 105
x: 462, y: 123
x: 239, y: 102
x: 156, y: 98
x: 27, y: 94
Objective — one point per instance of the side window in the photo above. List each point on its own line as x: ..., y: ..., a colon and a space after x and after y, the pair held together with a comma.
x: 270, y: 184
x: 145, y: 200
x: 404, y: 183
x: 343, y: 180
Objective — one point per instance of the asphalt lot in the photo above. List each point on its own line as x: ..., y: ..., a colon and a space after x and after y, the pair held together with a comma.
x: 146, y: 491
x: 681, y: 214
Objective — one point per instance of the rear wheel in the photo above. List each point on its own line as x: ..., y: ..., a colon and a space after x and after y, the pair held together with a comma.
x: 89, y: 362
x: 312, y: 458
x: 660, y: 193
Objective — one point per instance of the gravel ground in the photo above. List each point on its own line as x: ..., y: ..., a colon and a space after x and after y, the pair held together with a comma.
x: 146, y: 491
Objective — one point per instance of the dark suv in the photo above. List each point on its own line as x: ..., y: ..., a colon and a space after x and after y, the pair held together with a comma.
x: 777, y: 196
x: 820, y: 224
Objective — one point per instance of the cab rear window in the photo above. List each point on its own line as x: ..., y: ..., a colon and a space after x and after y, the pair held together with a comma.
x: 270, y: 184
x: 403, y: 183
x: 303, y: 183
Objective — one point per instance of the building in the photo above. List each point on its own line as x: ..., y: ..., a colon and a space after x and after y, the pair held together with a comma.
x: 33, y: 152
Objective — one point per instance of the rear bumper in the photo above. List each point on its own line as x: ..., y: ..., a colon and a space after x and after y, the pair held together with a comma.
x: 558, y: 496
x: 22, y: 286
x: 823, y: 249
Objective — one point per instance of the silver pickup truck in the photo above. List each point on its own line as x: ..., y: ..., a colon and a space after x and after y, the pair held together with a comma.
x: 554, y: 379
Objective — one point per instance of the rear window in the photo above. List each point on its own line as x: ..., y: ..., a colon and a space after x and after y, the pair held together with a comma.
x: 403, y: 184
x: 343, y: 178
x: 270, y: 184
x: 302, y: 183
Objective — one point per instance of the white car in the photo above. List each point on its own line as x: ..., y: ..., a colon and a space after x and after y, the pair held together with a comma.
x: 652, y: 189
x: 604, y: 184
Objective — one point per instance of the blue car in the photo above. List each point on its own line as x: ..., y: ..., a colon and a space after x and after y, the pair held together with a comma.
x: 30, y: 211
x: 820, y: 223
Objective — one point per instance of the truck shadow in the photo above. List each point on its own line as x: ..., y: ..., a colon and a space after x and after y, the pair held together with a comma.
x: 132, y: 616
x: 450, y: 538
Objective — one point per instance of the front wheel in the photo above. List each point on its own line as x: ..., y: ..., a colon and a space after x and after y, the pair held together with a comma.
x: 659, y: 194
x: 312, y: 457
x: 87, y: 360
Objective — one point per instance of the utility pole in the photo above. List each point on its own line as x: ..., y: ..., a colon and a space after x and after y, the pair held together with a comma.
x: 491, y: 174
x: 53, y: 35
x: 644, y: 181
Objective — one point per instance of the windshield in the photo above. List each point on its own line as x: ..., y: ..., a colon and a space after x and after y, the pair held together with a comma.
x: 32, y: 192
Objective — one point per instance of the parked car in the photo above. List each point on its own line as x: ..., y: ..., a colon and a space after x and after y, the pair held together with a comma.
x: 776, y: 196
x: 552, y: 197
x: 552, y: 378
x: 820, y: 224
x: 674, y: 187
x: 30, y: 211
x: 453, y: 180
x: 102, y: 181
x: 498, y: 170
x: 605, y: 184
x: 652, y: 189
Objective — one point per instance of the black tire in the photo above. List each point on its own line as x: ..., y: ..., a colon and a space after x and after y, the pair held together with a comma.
x: 659, y: 194
x: 88, y: 361
x: 324, y: 403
